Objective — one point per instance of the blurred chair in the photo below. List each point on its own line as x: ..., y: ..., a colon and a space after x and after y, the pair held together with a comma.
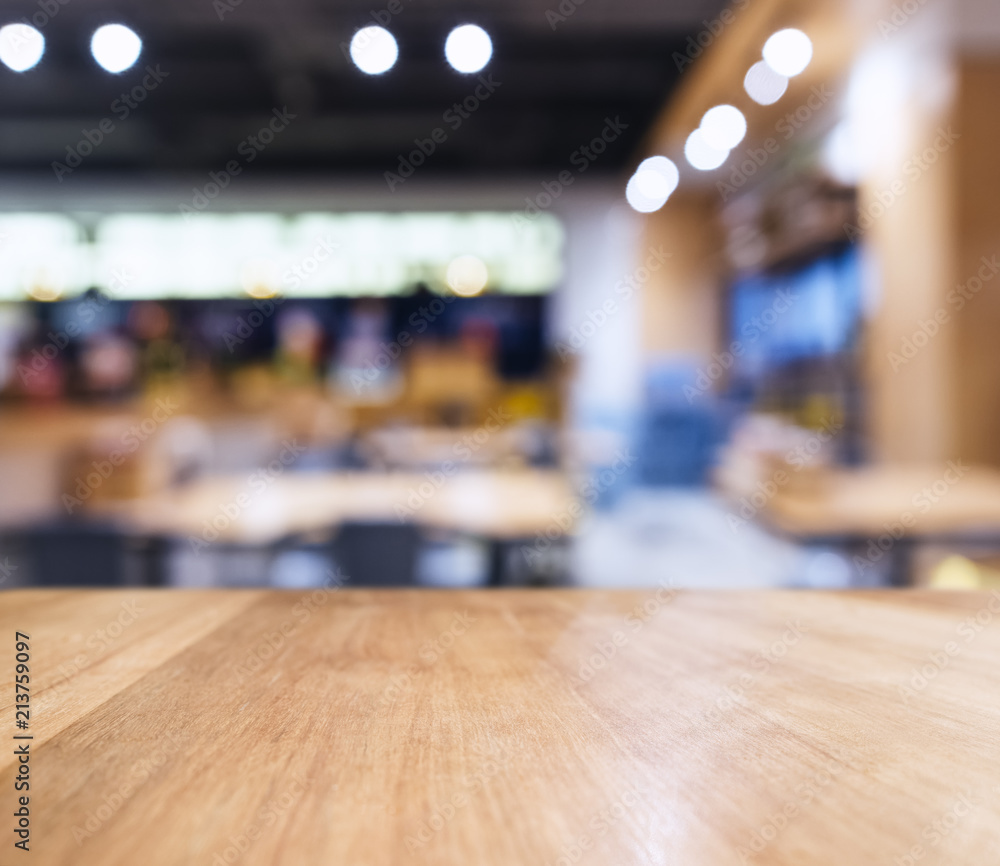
x: 677, y: 446
x: 377, y: 554
x: 681, y: 430
x: 79, y: 554
x: 453, y: 561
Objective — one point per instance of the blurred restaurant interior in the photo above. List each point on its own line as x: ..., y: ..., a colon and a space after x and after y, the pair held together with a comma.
x: 606, y: 293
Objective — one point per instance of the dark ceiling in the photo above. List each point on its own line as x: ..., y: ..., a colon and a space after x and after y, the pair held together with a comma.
x: 609, y: 58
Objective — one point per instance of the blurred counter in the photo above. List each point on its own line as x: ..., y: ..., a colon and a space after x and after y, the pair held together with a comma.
x: 263, y: 508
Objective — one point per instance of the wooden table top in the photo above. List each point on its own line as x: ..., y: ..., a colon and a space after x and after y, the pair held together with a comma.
x: 419, y: 446
x: 509, y: 503
x: 916, y: 500
x: 517, y: 727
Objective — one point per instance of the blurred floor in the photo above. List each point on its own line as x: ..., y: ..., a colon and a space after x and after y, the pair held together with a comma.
x: 685, y: 537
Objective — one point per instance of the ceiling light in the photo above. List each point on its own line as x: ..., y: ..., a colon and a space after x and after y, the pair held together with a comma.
x: 652, y: 184
x: 21, y: 46
x: 260, y: 278
x: 115, y: 47
x: 701, y: 154
x: 374, y: 50
x: 43, y: 291
x: 467, y: 276
x: 723, y: 127
x: 468, y: 48
x: 645, y: 192
x: 788, y: 52
x: 764, y: 85
x: 663, y: 167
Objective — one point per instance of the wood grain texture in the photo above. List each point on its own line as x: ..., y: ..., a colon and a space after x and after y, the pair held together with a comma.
x: 548, y: 727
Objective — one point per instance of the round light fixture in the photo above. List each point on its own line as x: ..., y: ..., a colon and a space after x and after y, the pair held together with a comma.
x: 701, y: 154
x: 467, y: 276
x: 764, y: 85
x: 468, y: 48
x: 21, y: 46
x: 115, y: 47
x: 723, y: 127
x: 260, y: 278
x: 663, y: 167
x: 374, y: 50
x: 788, y: 52
x: 645, y: 192
x: 652, y: 184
